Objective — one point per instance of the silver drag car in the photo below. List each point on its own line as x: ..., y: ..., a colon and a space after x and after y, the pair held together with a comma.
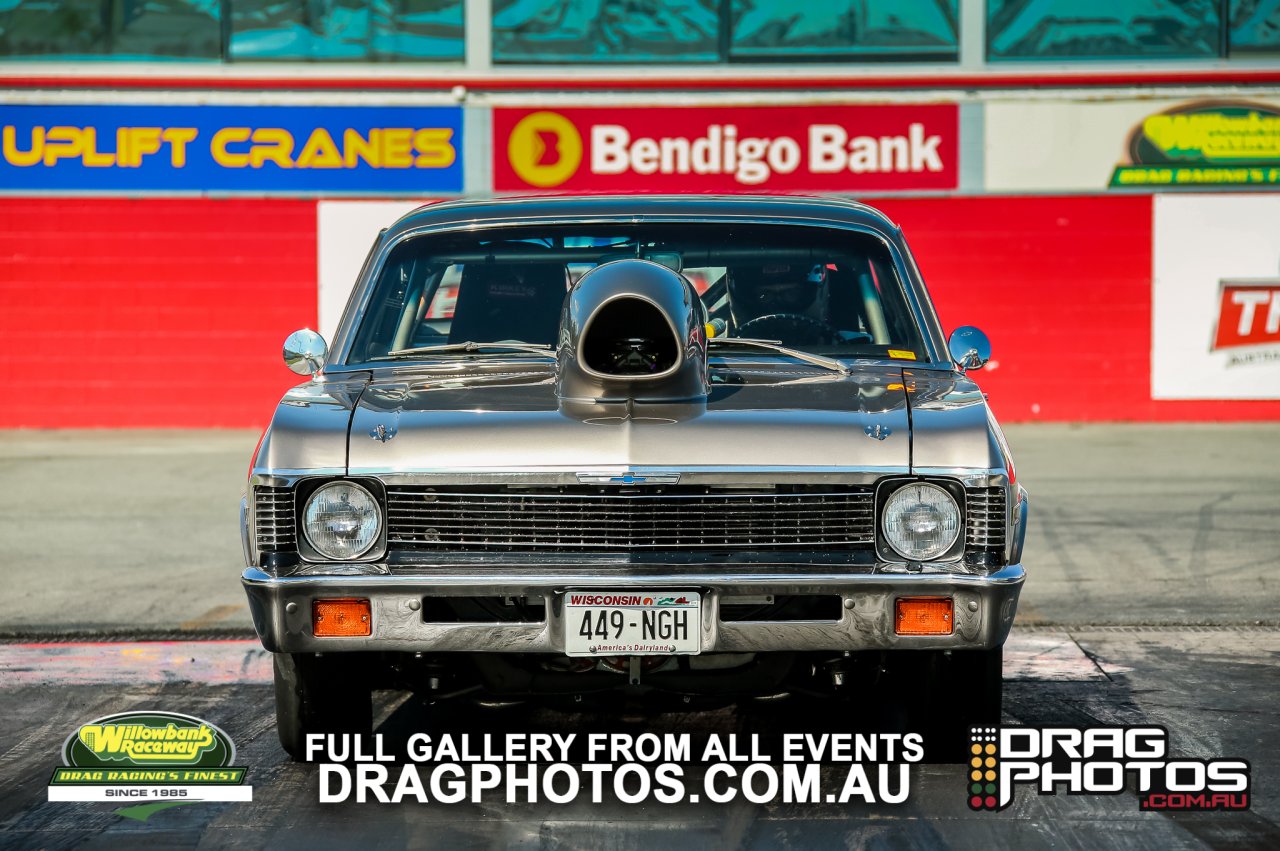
x: 698, y: 447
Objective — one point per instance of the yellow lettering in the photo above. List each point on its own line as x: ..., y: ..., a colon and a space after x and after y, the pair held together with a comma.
x: 227, y: 136
x: 62, y: 143
x: 146, y: 140
x: 178, y: 137
x: 271, y: 144
x: 320, y: 151
x: 395, y: 147
x: 23, y: 158
x: 92, y: 157
x: 434, y: 148
x: 122, y: 147
x: 355, y: 146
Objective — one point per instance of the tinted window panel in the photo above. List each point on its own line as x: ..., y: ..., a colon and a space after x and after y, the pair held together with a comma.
x: 420, y: 29
x: 605, y: 30
x: 111, y: 29
x: 1102, y: 29
x: 873, y: 29
x: 347, y: 30
x: 33, y: 28
x: 1255, y: 27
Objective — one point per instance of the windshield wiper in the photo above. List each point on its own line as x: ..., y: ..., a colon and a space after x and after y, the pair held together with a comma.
x: 776, y: 346
x: 468, y: 346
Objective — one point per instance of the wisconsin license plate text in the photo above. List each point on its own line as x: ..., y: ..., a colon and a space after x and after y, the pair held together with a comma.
x: 611, y: 623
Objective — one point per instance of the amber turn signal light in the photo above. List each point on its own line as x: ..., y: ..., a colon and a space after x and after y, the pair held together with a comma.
x: 923, y: 616
x: 346, y: 617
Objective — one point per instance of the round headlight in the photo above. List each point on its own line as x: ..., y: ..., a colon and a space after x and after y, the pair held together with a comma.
x: 921, y: 521
x: 341, y: 521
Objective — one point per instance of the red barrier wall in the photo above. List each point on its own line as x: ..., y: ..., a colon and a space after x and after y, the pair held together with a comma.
x: 171, y: 312
x: 1062, y: 286
x: 163, y: 312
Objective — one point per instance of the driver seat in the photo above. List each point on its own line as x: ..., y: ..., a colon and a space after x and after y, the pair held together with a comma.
x: 501, y: 301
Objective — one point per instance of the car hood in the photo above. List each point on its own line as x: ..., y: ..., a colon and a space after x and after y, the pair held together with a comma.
x: 793, y: 417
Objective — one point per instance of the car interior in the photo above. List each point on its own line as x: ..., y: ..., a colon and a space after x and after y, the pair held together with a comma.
x: 830, y: 299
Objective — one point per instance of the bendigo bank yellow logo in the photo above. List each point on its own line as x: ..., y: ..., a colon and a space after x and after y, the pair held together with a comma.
x: 544, y: 149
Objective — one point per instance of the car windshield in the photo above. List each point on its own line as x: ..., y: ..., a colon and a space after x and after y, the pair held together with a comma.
x: 821, y: 290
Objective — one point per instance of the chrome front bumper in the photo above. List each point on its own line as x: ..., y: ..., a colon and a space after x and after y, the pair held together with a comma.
x: 984, y: 608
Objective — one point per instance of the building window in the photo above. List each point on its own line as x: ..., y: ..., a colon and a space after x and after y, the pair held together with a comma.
x: 1254, y: 28
x: 563, y: 31
x: 1103, y: 29
x: 854, y: 29
x: 111, y: 29
x: 352, y: 30
x: 567, y: 31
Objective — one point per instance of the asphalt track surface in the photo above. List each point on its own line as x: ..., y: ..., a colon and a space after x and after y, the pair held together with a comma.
x: 1151, y: 598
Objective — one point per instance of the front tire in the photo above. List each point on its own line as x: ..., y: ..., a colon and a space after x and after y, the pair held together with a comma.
x: 968, y: 691
x: 319, y: 694
x: 943, y: 695
x: 976, y: 678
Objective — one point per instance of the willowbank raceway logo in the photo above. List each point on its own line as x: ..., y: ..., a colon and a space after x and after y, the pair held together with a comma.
x: 1207, y: 143
x: 1099, y: 761
x: 151, y: 760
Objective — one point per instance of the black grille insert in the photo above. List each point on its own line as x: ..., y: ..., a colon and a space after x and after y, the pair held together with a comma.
x: 985, y: 511
x: 673, y: 518
x: 273, y: 521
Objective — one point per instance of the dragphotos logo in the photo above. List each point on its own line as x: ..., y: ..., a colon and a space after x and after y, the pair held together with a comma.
x: 1099, y: 761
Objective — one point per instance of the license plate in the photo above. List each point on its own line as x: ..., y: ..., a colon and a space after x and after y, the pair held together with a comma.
x: 627, y: 623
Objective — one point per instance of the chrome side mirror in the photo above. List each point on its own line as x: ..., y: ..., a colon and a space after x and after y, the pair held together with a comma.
x: 969, y: 348
x: 305, y: 351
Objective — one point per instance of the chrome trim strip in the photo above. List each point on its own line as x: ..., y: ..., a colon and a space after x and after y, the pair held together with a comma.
x: 559, y: 475
x: 1018, y: 527
x: 527, y: 581
x: 247, y: 550
x: 283, y: 477
x: 971, y: 477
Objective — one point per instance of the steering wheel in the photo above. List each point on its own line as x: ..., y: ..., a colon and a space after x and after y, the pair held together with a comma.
x: 793, y: 329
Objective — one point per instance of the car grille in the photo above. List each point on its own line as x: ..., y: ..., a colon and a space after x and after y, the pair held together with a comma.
x: 985, y: 510
x: 501, y: 519
x: 273, y: 521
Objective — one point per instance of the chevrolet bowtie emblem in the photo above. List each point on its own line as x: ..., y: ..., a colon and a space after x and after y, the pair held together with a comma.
x: 628, y: 478
x: 381, y: 433
x: 877, y: 431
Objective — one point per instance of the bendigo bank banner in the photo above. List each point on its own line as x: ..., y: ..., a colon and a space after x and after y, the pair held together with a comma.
x: 231, y: 148
x: 727, y: 149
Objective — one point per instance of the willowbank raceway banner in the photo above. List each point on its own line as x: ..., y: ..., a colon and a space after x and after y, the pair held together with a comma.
x: 258, y: 149
x: 1112, y: 144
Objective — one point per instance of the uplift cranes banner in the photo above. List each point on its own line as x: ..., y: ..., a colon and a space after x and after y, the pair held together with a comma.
x: 220, y: 149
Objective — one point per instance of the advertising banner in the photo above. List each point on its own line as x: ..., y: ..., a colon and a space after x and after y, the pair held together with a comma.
x: 727, y: 149
x: 1216, y: 297
x: 296, y: 149
x: 1051, y: 146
